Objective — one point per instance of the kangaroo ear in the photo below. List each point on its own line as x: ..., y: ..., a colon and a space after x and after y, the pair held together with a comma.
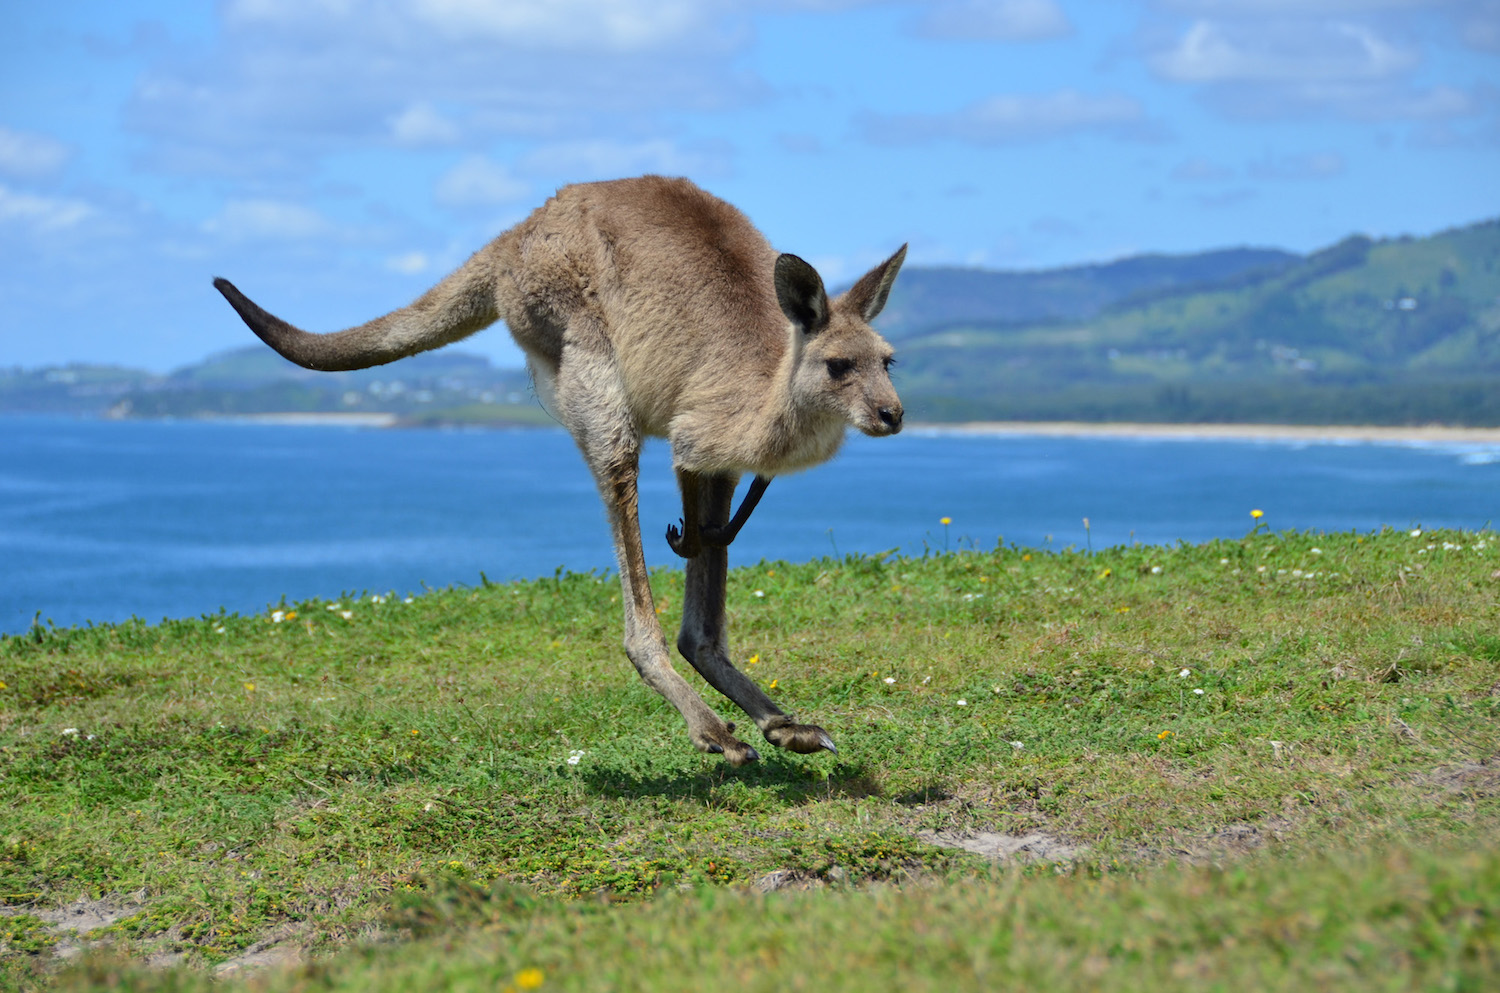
x: 868, y: 296
x: 799, y: 290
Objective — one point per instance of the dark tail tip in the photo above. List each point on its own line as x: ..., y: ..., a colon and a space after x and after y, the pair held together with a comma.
x: 269, y: 328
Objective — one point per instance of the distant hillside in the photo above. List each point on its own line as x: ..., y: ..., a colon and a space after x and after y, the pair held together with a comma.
x: 438, y: 387
x: 926, y: 299
x: 1390, y: 331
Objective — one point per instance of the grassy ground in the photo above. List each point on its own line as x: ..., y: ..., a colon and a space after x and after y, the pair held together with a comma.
x: 1264, y: 763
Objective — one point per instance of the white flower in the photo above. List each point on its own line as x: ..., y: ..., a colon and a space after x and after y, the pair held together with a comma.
x: 1156, y: 570
x: 70, y: 732
x: 1416, y: 532
x: 409, y: 600
x: 759, y: 593
x: 219, y: 629
x: 1315, y: 551
x: 1184, y: 674
x: 963, y: 703
x: 277, y: 616
x: 889, y: 680
x: 333, y: 606
x: 1223, y: 562
x: 574, y: 756
x: 1197, y: 693
x: 347, y: 614
x: 1018, y: 745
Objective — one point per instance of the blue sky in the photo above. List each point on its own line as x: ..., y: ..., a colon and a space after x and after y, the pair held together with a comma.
x: 336, y: 157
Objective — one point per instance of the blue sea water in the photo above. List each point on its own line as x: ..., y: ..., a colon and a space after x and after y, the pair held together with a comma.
x: 103, y: 520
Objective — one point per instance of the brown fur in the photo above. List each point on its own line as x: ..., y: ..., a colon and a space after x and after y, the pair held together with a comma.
x: 647, y: 307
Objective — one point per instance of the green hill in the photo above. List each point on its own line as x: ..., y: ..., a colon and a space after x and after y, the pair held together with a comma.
x: 1364, y: 331
x: 928, y: 299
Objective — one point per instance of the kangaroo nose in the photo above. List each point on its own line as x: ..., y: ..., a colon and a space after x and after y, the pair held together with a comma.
x: 891, y: 417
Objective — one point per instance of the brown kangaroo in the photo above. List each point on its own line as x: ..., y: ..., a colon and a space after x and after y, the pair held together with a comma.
x: 647, y: 307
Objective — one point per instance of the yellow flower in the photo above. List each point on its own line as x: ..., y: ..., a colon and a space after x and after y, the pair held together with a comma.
x: 415, y: 732
x: 773, y: 684
x: 530, y: 979
x: 1257, y: 513
x: 1106, y: 574
x: 945, y: 521
x: 2, y: 684
x: 753, y: 659
x: 249, y: 687
x: 1026, y: 557
x: 1164, y: 735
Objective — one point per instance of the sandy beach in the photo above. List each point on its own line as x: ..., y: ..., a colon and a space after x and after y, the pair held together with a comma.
x: 1428, y: 434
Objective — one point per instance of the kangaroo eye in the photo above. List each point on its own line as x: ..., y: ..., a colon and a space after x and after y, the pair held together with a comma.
x: 887, y: 362
x: 839, y: 368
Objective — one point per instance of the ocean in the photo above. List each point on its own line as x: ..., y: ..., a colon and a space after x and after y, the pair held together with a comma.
x: 106, y: 520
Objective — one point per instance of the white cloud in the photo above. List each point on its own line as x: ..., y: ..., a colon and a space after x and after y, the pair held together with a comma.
x: 1018, y: 117
x: 1313, y: 165
x: 422, y: 124
x: 290, y: 82
x: 478, y: 182
x: 609, y: 158
x: 1201, y: 170
x: 271, y: 220
x: 1280, y: 51
x: 573, y: 25
x: 41, y: 213
x: 409, y: 263
x: 611, y: 25
x: 28, y: 155
x: 1277, y: 60
x: 1264, y: 8
x: 993, y: 20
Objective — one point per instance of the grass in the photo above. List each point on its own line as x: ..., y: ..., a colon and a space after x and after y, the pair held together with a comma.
x: 1269, y: 758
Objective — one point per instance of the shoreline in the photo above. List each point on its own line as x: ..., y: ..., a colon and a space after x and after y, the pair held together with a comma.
x: 1311, y: 433
x: 1421, y: 434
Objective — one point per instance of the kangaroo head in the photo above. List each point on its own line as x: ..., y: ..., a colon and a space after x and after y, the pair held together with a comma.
x: 842, y: 366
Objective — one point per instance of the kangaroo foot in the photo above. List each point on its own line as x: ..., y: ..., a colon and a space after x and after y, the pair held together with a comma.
x: 721, y: 741
x: 803, y: 738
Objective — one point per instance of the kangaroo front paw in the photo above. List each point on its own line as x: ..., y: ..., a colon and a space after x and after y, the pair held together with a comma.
x: 685, y: 546
x: 803, y: 738
x: 721, y: 741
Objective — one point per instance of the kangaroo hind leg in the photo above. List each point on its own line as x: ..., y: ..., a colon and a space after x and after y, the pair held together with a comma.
x: 594, y: 412
x: 703, y: 640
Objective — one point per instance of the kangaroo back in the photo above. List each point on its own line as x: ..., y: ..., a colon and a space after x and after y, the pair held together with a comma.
x: 455, y: 308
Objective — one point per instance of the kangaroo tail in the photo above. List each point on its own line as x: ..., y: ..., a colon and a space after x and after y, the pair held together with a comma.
x: 460, y: 305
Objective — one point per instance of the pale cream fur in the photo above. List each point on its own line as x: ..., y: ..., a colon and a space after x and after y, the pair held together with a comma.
x: 647, y: 307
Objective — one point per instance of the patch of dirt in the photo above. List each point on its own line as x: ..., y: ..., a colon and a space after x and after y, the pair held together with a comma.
x: 1477, y: 779
x: 1037, y: 846
x: 787, y: 879
x: 84, y: 915
x: 277, y: 949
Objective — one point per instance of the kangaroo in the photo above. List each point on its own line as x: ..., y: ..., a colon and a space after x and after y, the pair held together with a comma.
x: 648, y: 307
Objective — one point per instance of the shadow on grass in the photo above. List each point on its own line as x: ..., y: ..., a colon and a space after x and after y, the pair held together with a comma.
x: 792, y: 783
